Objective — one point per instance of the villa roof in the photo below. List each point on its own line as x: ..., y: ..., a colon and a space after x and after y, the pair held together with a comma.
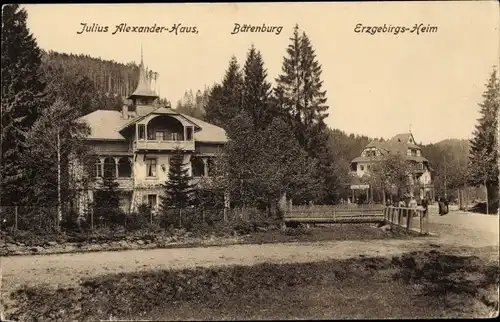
x: 106, y: 125
x: 398, y: 144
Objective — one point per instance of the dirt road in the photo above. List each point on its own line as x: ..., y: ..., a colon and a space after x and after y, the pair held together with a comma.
x: 453, y: 230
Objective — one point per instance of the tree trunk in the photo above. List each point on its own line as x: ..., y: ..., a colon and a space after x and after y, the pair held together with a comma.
x: 459, y: 199
x: 487, y: 199
x: 59, y: 211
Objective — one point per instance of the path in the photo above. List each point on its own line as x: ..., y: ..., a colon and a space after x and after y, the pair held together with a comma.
x: 455, y: 229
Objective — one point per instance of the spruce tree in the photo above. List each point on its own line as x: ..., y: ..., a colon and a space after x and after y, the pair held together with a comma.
x: 22, y: 99
x: 107, y: 202
x: 225, y: 99
x: 299, y: 95
x: 256, y: 90
x: 178, y: 189
x: 483, y: 159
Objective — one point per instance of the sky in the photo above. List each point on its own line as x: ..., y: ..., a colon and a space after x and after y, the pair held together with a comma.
x: 377, y: 85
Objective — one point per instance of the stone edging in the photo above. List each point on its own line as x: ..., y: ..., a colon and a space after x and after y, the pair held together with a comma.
x: 16, y: 249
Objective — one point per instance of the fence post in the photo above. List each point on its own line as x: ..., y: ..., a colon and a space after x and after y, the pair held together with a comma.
x: 421, y: 214
x: 92, y: 218
x: 180, y: 218
x: 15, y: 217
x: 150, y: 217
x: 409, y: 218
x: 426, y: 224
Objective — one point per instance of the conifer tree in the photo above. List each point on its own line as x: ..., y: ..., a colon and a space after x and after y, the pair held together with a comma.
x: 107, y: 202
x: 178, y: 188
x: 22, y: 99
x: 256, y: 90
x: 483, y: 159
x: 299, y: 95
x: 225, y: 99
x: 54, y: 140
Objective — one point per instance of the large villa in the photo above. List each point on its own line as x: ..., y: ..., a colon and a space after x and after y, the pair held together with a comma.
x: 134, y: 146
x: 420, y: 180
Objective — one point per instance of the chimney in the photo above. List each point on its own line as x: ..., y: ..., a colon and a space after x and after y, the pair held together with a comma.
x: 125, y: 111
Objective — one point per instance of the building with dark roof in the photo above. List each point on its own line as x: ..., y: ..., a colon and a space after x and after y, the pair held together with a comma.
x: 134, y: 146
x: 403, y: 144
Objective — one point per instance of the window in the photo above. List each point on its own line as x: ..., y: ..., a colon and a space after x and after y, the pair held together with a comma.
x: 368, y: 167
x: 421, y: 166
x: 151, y: 167
x: 362, y: 167
x: 159, y: 136
x: 95, y: 170
x: 124, y: 168
x: 142, y: 131
x: 211, y: 166
x: 189, y: 134
x: 152, y: 201
x: 198, y: 167
x: 109, y: 167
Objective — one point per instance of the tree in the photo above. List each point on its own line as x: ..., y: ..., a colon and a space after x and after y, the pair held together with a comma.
x: 54, y: 139
x: 225, y: 99
x: 483, y: 160
x: 107, y: 202
x: 262, y: 165
x: 256, y: 90
x: 22, y: 100
x: 178, y: 189
x: 193, y: 105
x: 75, y: 89
x: 482, y: 169
x: 391, y: 173
x: 300, y: 96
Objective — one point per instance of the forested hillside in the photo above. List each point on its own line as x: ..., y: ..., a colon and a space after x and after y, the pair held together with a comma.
x: 194, y: 104
x: 89, y: 83
x: 449, y: 159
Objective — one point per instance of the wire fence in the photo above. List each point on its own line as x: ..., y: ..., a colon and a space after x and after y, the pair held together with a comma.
x: 39, y: 219
x: 45, y: 219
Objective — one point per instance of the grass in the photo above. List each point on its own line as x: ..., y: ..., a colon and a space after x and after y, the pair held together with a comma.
x: 415, y: 285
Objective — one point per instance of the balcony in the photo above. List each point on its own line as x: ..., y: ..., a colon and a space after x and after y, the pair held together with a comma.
x: 160, y: 145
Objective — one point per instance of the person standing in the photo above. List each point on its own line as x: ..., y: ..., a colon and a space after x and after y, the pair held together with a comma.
x: 413, y: 205
x: 442, y: 207
x: 413, y: 202
x: 425, y: 205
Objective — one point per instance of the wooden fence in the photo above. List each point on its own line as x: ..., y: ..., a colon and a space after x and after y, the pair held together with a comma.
x: 334, y: 214
x: 416, y: 219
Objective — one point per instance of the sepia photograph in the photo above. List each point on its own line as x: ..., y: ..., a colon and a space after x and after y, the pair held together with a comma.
x: 250, y: 161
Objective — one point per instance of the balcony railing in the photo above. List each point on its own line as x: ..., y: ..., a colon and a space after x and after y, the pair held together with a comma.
x: 163, y: 145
